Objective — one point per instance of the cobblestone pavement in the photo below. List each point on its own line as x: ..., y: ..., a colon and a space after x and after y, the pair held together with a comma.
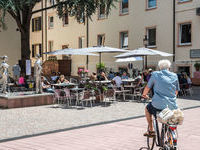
x: 15, y: 123
x: 123, y: 135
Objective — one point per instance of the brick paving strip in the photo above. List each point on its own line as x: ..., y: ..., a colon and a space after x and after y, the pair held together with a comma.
x: 123, y: 135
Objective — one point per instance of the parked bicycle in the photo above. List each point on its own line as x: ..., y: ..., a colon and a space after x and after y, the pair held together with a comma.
x: 166, y: 139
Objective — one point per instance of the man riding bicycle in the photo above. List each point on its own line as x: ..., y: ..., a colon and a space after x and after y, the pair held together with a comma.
x: 166, y: 86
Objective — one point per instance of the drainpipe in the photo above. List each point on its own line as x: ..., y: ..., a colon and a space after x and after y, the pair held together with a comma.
x: 87, y: 39
x: 42, y: 31
x: 46, y: 28
x: 174, y: 31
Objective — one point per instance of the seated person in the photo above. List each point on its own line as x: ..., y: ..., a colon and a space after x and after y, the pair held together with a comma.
x: 54, y: 77
x: 111, y: 75
x: 102, y: 77
x: 46, y: 86
x: 124, y: 75
x: 62, y: 79
x: 21, y: 81
x: 140, y: 79
x: 118, y: 80
x: 93, y: 76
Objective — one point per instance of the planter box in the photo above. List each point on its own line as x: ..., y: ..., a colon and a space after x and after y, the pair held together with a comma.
x: 195, y: 81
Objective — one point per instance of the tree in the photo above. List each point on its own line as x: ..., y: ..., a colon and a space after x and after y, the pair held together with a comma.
x: 21, y: 11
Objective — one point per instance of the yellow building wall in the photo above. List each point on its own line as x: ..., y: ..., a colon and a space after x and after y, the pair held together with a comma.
x: 10, y: 42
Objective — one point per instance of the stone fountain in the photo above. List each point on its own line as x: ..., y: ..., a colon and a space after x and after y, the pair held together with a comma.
x: 22, y: 99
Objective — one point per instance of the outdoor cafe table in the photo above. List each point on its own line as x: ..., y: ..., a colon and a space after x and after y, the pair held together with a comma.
x: 103, y: 82
x: 62, y: 85
x: 131, y: 81
x: 131, y: 84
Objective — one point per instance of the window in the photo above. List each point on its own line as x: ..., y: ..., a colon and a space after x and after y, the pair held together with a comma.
x: 36, y: 24
x: 81, y: 19
x: 185, y: 34
x: 151, y: 4
x: 50, y: 46
x: 124, y: 40
x: 52, y: 58
x: 80, y: 42
x: 52, y: 2
x: 36, y: 49
x: 151, y: 36
x: 65, y: 19
x: 102, y: 11
x: 184, y: 0
x: 50, y: 22
x: 100, y: 40
x: 124, y: 7
x: 65, y: 46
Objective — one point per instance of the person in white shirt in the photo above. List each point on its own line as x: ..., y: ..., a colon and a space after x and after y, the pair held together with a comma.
x: 16, y: 71
x: 118, y: 80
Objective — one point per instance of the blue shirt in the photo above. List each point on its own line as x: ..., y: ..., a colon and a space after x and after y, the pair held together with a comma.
x: 124, y: 77
x: 165, y: 84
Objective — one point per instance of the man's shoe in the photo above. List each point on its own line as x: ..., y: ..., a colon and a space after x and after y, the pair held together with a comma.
x: 150, y: 134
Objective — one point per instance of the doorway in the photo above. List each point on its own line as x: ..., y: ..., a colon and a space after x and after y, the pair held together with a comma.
x: 184, y: 69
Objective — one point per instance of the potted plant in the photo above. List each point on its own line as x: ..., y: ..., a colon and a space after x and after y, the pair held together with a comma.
x: 82, y: 72
x: 100, y: 67
x: 197, y: 66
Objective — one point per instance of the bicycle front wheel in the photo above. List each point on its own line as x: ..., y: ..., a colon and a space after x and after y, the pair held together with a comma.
x: 151, y: 141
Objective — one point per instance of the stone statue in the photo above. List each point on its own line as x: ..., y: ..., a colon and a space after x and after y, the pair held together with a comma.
x: 37, y: 75
x: 4, y: 68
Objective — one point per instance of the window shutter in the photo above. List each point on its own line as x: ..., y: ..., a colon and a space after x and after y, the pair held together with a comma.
x: 40, y: 23
x: 33, y: 25
x: 40, y: 50
x: 33, y: 51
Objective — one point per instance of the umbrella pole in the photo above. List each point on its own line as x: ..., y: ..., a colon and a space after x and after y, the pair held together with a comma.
x: 145, y: 62
x: 99, y: 58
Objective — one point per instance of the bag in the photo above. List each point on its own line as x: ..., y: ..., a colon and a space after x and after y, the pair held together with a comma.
x: 165, y: 115
x: 171, y: 116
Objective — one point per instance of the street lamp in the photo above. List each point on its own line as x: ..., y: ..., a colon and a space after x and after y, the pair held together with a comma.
x: 145, y: 42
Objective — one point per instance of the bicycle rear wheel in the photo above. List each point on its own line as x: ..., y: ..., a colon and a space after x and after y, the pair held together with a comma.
x: 151, y: 141
x: 169, y: 140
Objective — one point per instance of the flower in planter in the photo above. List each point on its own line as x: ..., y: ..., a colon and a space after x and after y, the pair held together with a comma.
x: 86, y: 70
x: 80, y: 71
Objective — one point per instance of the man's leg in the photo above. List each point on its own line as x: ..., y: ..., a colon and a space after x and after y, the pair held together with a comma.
x: 149, y: 119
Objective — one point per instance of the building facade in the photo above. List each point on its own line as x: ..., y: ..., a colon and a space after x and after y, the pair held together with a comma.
x: 10, y: 42
x: 125, y: 27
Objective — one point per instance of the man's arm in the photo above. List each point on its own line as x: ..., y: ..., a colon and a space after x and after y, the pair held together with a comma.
x: 176, y: 93
x: 145, y: 92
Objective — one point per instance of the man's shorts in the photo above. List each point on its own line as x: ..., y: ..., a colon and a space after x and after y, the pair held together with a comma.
x: 152, y: 110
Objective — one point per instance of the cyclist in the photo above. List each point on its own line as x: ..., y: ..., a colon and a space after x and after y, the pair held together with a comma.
x: 166, y: 86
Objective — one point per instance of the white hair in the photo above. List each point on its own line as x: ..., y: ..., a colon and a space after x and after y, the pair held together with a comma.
x: 164, y: 64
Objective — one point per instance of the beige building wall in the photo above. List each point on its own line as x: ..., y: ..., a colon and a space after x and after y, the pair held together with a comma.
x: 10, y: 42
x: 135, y: 22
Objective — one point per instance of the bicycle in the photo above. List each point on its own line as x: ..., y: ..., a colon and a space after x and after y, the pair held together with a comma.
x: 166, y: 140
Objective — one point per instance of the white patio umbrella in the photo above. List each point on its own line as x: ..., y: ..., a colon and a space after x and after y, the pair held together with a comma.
x: 130, y: 59
x: 70, y: 52
x: 102, y: 49
x: 143, y: 52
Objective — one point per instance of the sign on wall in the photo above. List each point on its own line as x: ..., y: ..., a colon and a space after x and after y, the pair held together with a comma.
x: 195, y: 53
x: 28, y: 67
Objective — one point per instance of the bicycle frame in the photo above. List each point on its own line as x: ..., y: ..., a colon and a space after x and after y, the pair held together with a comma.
x: 155, y: 125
